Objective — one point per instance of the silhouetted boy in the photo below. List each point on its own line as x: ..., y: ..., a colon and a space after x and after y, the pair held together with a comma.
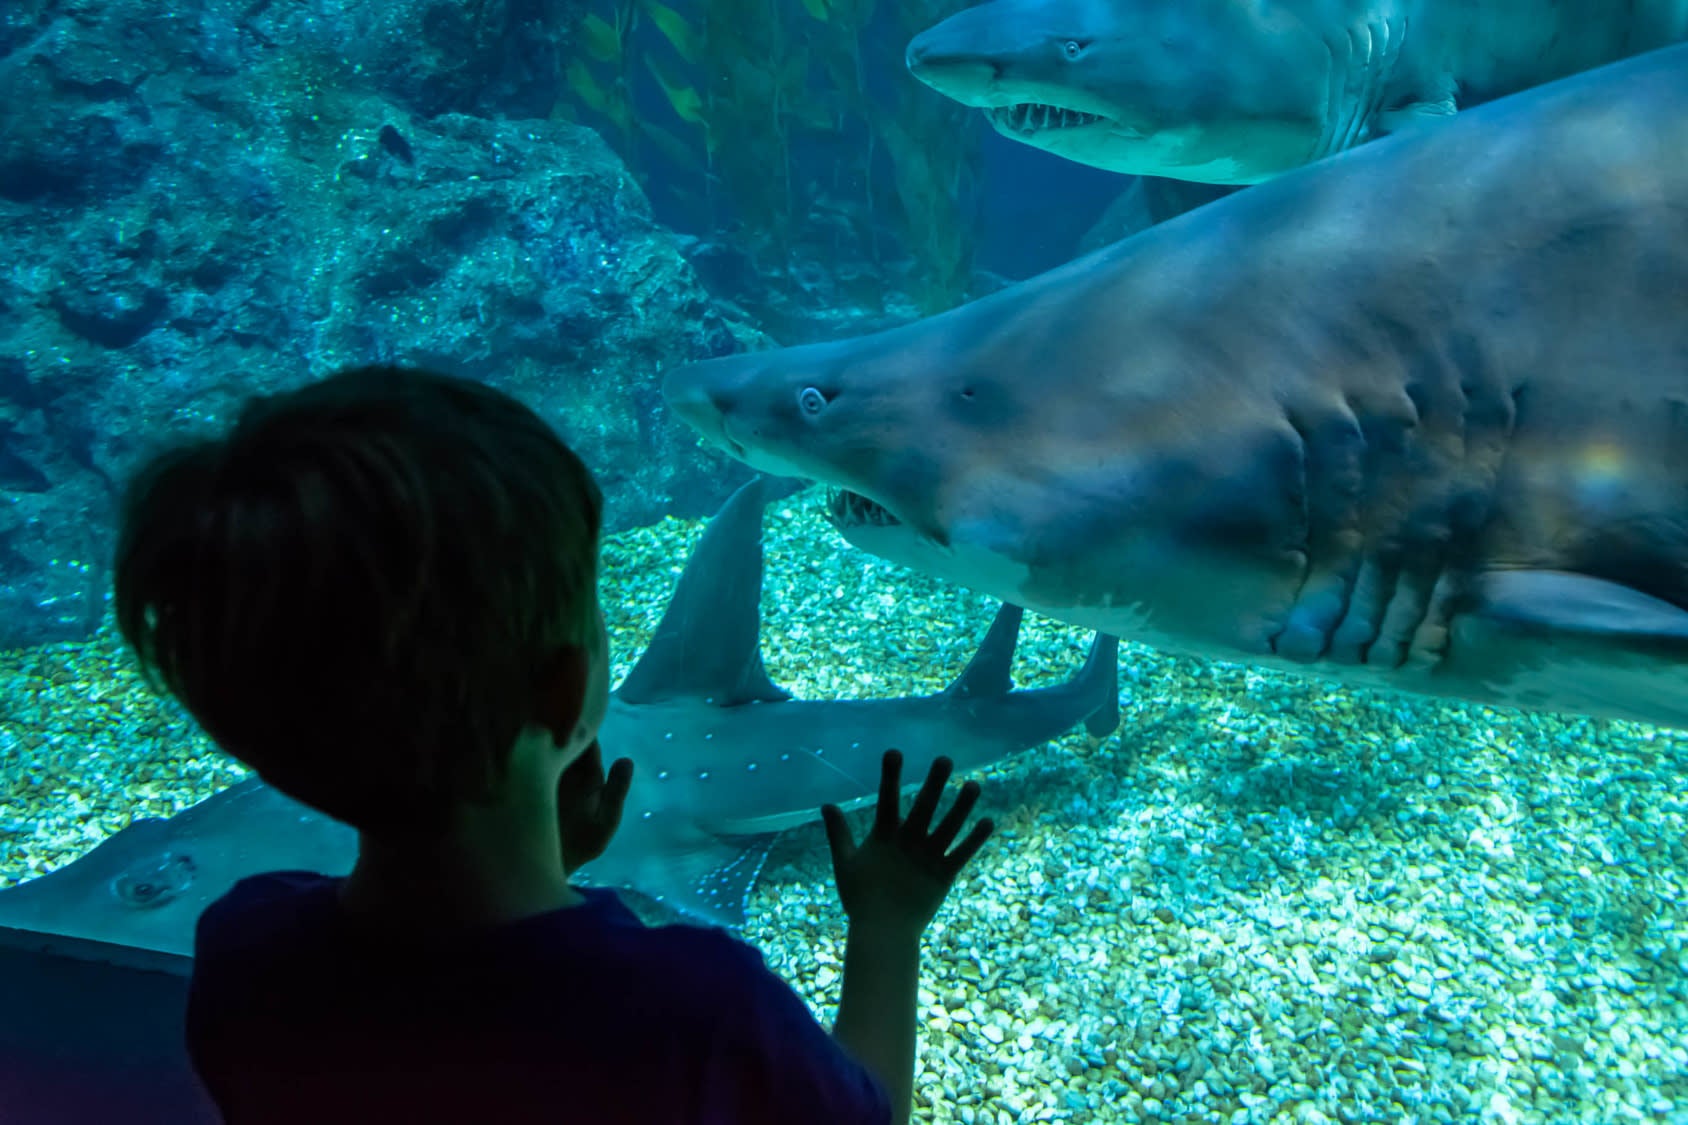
x: 379, y: 592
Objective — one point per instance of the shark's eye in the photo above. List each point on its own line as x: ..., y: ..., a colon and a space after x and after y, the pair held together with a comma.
x: 811, y: 401
x: 1072, y: 48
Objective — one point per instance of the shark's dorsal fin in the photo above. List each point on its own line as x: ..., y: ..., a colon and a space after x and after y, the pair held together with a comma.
x: 708, y: 644
x: 990, y: 672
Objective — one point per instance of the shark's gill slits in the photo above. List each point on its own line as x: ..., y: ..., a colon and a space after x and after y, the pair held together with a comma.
x: 1035, y: 117
x: 849, y: 509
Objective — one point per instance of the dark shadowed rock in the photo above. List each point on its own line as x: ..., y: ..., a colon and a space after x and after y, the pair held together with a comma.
x: 245, y: 196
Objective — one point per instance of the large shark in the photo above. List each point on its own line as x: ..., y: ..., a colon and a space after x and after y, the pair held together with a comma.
x: 1238, y: 91
x: 723, y: 759
x: 1415, y: 416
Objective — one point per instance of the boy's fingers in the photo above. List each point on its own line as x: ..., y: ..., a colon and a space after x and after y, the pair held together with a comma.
x: 969, y: 847
x: 945, y: 833
x: 616, y: 787
x: 583, y: 775
x: 926, y: 801
x: 890, y: 788
x: 837, y: 832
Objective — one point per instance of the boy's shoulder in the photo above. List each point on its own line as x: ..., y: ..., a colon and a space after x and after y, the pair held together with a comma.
x: 297, y: 914
x: 279, y: 944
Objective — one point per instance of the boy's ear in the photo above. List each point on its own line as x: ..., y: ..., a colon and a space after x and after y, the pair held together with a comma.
x: 560, y: 695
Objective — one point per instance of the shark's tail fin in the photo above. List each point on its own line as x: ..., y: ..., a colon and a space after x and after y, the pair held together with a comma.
x: 1101, y: 675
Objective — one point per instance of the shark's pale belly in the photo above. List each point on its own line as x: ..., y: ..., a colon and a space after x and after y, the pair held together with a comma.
x: 1572, y: 676
x: 1530, y: 639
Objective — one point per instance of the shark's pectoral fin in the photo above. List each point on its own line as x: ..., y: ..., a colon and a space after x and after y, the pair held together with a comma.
x: 708, y: 880
x: 1554, y: 639
x: 1559, y: 602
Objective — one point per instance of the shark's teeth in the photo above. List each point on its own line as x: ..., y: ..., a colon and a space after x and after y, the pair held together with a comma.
x: 849, y: 509
x: 1036, y: 117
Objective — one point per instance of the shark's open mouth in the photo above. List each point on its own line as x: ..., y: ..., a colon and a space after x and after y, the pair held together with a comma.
x: 850, y: 509
x: 1027, y: 118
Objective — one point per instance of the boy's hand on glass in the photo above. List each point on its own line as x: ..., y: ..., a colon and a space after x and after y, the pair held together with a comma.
x: 589, y: 804
x: 899, y: 874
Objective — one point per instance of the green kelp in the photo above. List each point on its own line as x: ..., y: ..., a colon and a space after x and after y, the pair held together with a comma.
x: 767, y: 110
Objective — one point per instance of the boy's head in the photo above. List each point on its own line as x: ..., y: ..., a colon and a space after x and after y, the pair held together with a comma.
x: 368, y: 588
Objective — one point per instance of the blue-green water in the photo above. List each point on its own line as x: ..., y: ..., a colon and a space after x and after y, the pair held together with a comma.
x: 1262, y: 898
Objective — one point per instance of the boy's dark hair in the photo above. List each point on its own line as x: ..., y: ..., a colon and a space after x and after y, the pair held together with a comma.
x: 355, y: 591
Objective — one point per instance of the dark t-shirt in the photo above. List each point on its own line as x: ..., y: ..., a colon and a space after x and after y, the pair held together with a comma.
x: 582, y: 1015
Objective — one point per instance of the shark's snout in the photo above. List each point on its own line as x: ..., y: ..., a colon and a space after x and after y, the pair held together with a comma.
x: 692, y: 396
x: 945, y: 63
x: 733, y: 407
x: 707, y: 396
x: 918, y: 49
